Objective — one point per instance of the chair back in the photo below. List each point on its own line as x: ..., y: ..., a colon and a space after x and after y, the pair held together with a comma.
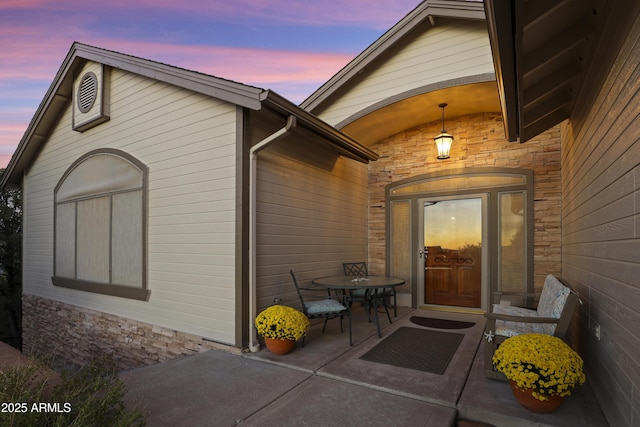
x: 357, y: 269
x: 295, y: 282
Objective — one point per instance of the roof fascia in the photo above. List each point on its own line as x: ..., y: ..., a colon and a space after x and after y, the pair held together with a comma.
x: 501, y: 26
x: 343, y: 143
x: 60, y: 92
x: 226, y: 90
x: 429, y: 9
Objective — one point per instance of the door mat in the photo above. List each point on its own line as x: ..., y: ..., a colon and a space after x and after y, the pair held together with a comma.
x: 431, y: 322
x: 418, y: 349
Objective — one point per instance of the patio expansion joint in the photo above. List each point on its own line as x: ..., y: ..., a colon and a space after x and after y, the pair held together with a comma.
x: 387, y: 390
x: 277, y: 398
x: 281, y: 364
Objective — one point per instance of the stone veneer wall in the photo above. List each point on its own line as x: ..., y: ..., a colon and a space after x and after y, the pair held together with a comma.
x: 76, y: 335
x: 479, y: 141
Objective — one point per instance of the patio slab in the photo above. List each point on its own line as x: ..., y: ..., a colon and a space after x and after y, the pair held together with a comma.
x: 326, y: 402
x: 442, y: 389
x: 492, y: 401
x: 321, y: 348
x: 208, y: 389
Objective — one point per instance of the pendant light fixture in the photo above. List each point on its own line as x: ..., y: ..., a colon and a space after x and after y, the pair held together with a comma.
x: 444, y: 140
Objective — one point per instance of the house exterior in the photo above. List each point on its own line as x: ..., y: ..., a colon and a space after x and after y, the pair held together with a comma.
x: 387, y: 98
x: 232, y: 186
x: 221, y: 188
x: 136, y: 179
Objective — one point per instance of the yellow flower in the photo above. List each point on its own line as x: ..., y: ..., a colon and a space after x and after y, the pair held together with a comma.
x: 540, y: 362
x: 282, y: 322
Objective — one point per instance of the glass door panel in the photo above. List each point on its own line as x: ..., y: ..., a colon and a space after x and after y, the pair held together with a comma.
x: 453, y: 248
x: 512, y: 244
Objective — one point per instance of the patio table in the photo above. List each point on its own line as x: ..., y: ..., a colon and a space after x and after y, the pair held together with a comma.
x: 369, y: 283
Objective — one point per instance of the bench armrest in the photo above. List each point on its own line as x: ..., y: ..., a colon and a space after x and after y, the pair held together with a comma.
x: 521, y: 319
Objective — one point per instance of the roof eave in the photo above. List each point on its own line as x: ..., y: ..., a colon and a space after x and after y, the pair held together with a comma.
x: 60, y: 92
x: 343, y: 143
x: 500, y: 25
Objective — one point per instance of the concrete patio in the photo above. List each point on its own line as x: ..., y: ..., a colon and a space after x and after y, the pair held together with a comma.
x: 326, y: 383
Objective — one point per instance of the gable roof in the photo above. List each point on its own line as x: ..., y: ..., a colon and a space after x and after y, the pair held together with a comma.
x: 59, y: 95
x: 427, y: 10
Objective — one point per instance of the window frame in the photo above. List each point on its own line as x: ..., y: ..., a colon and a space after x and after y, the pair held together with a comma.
x: 138, y: 292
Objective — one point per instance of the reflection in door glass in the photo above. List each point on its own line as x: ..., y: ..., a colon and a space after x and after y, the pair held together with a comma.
x: 453, y: 242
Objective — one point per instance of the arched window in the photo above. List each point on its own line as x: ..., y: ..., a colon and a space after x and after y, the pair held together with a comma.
x: 100, y: 225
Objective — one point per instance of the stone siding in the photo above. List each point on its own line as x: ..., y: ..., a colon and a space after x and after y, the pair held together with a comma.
x: 479, y: 141
x: 76, y: 335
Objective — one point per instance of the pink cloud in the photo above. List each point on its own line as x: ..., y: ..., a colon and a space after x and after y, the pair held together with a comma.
x: 292, y: 74
x: 32, y: 53
x: 258, y: 67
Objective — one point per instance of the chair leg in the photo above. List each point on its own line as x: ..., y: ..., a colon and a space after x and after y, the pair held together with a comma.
x: 325, y: 324
x: 386, y: 308
x: 367, y: 306
x: 395, y: 305
x: 350, y: 336
x: 303, y: 337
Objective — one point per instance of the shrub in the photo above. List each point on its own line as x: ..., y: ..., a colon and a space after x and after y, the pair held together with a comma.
x: 36, y: 395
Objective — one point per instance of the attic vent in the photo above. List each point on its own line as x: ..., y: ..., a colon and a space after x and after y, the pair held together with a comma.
x: 87, y: 92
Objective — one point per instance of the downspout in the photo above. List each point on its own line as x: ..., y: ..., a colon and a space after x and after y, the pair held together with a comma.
x: 254, y: 346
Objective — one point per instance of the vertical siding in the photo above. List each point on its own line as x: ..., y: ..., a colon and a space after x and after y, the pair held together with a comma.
x: 188, y: 142
x: 601, y: 233
x: 311, y: 217
x: 452, y: 49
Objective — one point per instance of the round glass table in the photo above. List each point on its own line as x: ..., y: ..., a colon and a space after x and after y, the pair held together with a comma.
x: 369, y: 283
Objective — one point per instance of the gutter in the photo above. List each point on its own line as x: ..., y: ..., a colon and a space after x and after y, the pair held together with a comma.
x: 254, y: 346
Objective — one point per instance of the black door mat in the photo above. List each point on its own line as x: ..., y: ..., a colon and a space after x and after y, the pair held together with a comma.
x: 418, y: 349
x: 431, y: 322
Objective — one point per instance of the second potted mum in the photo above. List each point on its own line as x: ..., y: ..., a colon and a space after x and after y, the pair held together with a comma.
x: 281, y: 326
x: 542, y: 370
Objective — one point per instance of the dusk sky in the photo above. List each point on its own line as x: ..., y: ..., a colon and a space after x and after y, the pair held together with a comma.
x: 289, y: 46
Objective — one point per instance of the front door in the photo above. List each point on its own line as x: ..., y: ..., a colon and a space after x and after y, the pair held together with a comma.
x: 453, y: 252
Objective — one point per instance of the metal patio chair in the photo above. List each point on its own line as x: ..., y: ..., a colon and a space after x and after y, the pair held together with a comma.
x: 322, y: 307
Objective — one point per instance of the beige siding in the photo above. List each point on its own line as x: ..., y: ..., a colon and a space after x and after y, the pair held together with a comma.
x: 311, y: 217
x: 601, y: 233
x: 450, y: 50
x: 188, y: 143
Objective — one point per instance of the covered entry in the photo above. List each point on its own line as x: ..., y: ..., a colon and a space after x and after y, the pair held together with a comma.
x: 456, y: 236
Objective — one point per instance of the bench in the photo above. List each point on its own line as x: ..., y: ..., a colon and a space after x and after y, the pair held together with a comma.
x: 552, y: 317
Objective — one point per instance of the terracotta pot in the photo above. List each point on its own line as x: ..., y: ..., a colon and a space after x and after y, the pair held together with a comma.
x: 276, y: 346
x: 526, y: 399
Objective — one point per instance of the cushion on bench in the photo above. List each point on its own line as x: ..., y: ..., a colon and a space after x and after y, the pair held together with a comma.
x: 511, y: 329
x: 552, y: 299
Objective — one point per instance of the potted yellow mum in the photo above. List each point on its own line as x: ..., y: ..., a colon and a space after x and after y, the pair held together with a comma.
x: 281, y: 326
x: 542, y: 370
